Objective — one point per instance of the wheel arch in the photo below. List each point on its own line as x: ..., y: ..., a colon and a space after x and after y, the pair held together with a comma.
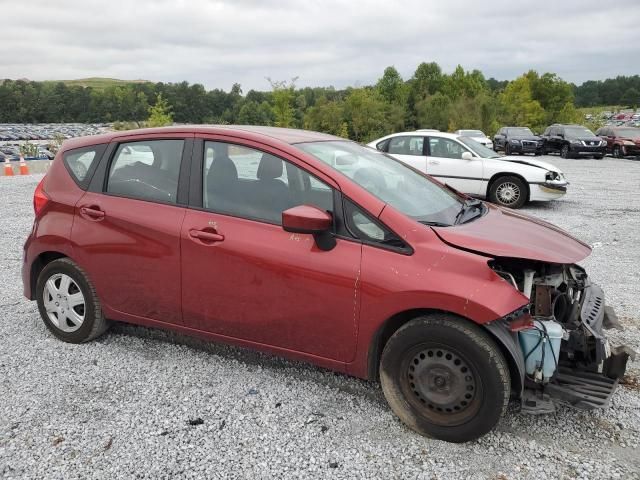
x: 500, y: 335
x: 41, y: 261
x: 496, y: 176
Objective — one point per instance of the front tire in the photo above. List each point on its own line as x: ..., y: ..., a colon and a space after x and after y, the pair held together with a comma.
x: 508, y: 191
x: 565, y: 152
x: 445, y: 378
x: 68, y: 303
x: 507, y: 149
x: 617, y: 152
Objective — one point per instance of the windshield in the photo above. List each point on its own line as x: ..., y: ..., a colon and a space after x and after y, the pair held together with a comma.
x: 520, y: 131
x: 579, y: 132
x: 472, y: 133
x: 628, y: 133
x: 479, y: 149
x: 390, y: 180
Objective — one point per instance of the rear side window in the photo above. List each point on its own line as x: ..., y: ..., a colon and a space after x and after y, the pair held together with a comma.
x: 405, y: 145
x: 146, y: 170
x: 81, y: 162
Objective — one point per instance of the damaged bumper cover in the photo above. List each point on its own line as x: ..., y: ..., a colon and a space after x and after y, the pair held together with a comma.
x: 588, y: 369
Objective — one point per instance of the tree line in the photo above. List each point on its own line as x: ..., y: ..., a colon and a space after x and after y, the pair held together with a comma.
x: 430, y: 98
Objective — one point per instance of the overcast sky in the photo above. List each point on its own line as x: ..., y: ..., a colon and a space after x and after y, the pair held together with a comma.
x: 324, y: 43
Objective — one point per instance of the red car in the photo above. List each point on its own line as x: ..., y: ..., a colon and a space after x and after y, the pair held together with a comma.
x: 317, y: 248
x: 621, y: 141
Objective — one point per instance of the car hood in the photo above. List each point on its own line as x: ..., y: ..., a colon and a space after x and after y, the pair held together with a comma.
x: 505, y: 233
x: 532, y: 162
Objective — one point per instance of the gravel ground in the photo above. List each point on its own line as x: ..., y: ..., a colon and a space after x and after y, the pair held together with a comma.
x: 139, y: 403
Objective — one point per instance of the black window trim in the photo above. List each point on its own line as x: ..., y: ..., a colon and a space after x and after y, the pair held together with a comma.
x: 99, y: 148
x: 99, y: 181
x: 353, y: 236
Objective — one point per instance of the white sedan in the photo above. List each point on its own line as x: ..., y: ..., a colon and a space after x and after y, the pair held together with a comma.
x: 471, y: 168
x: 477, y: 135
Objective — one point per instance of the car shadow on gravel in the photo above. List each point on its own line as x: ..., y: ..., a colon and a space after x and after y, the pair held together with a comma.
x: 294, y: 369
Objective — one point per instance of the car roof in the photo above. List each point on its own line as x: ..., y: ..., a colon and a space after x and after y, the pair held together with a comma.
x: 285, y: 135
x: 431, y: 133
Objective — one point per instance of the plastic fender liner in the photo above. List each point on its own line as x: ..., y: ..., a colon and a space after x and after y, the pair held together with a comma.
x: 509, y: 342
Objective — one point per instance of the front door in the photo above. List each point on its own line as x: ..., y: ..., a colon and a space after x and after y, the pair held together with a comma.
x: 445, y: 163
x: 244, y: 277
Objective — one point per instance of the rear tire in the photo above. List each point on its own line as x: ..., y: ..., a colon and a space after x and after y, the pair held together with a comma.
x: 598, y: 157
x: 508, y: 191
x: 68, y: 303
x: 445, y: 378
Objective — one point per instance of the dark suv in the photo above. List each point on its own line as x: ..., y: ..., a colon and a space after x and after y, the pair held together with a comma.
x: 517, y: 140
x: 573, y: 141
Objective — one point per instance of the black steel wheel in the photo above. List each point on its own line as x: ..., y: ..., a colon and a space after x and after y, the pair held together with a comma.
x: 445, y: 377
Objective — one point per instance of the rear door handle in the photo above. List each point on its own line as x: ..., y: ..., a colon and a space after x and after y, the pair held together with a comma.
x: 204, y: 236
x: 93, y: 213
x: 434, y: 162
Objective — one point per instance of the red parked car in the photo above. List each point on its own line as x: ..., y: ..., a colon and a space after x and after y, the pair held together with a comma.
x: 621, y: 141
x: 317, y: 248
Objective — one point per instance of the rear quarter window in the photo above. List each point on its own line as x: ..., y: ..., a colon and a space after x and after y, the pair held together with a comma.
x: 81, y: 162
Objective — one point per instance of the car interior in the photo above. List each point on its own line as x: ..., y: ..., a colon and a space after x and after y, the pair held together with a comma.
x: 248, y: 183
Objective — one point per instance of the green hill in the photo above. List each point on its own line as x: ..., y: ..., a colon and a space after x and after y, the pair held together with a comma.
x: 99, y: 83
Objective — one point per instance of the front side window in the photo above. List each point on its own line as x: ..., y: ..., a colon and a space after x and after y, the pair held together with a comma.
x: 406, y: 145
x: 388, y: 179
x: 249, y: 183
x: 146, y: 170
x: 445, y: 148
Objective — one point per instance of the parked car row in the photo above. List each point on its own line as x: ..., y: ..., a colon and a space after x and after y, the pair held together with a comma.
x: 12, y: 153
x: 46, y: 131
x: 570, y: 141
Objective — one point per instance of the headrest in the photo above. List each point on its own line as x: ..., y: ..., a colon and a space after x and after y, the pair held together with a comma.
x: 270, y: 167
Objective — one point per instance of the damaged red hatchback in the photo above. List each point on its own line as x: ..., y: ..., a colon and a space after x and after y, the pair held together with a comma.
x: 317, y: 248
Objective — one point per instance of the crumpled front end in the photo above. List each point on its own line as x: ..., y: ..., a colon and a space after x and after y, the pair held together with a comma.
x: 565, y: 354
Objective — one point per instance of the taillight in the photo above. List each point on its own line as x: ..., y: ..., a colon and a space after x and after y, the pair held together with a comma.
x: 40, y: 198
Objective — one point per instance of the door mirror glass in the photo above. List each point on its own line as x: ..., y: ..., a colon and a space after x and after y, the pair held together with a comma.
x: 467, y: 156
x: 306, y: 219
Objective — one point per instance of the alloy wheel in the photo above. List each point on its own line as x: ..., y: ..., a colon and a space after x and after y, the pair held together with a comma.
x: 508, y: 193
x: 64, y: 302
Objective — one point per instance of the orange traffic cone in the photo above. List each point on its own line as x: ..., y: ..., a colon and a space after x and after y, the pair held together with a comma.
x: 8, y: 170
x: 24, y: 168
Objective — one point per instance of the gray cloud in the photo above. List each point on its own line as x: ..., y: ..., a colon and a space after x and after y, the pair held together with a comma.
x: 331, y: 42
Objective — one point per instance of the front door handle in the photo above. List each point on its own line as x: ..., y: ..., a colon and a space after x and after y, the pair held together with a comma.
x: 92, y: 213
x: 434, y: 162
x: 205, y: 236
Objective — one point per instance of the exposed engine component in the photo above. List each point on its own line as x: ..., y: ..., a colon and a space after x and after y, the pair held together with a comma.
x: 566, y: 354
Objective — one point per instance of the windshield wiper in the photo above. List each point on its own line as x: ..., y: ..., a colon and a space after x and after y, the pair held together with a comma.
x: 435, y: 224
x: 468, y: 205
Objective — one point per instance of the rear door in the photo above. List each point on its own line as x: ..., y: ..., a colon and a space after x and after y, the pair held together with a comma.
x: 445, y: 163
x: 126, y: 231
x: 244, y: 277
x: 409, y: 149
